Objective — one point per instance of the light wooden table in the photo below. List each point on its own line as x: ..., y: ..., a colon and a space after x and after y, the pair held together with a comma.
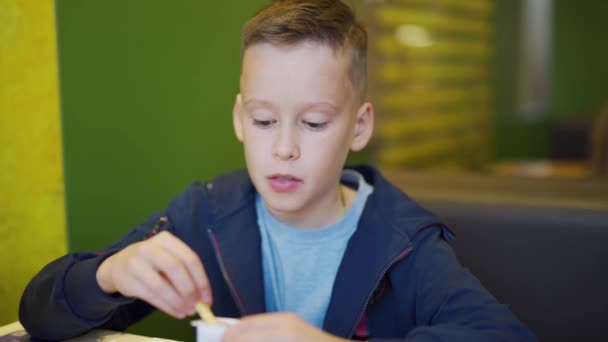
x: 16, y: 330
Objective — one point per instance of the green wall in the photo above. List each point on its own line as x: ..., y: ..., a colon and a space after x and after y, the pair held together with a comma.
x: 515, y: 138
x: 580, y: 59
x: 579, y: 74
x: 147, y: 90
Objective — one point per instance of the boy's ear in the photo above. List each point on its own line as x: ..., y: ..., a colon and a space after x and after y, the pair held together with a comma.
x: 364, y: 127
x: 236, y: 117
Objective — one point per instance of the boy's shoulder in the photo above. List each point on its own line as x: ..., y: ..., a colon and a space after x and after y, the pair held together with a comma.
x: 389, y: 196
x: 395, y: 208
x: 207, y: 202
x: 220, y: 195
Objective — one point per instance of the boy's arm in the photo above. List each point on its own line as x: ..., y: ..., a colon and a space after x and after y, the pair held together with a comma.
x: 452, y: 305
x: 64, y: 299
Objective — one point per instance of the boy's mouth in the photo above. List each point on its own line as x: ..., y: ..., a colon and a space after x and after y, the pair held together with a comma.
x: 283, y: 182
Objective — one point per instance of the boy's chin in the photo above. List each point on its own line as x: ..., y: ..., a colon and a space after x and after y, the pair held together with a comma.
x: 279, y: 202
x: 282, y: 202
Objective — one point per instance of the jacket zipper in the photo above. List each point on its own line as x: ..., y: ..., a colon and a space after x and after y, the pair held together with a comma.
x: 400, y: 256
x: 218, y: 256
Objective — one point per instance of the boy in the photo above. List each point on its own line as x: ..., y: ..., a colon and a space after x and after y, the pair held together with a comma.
x: 298, y: 247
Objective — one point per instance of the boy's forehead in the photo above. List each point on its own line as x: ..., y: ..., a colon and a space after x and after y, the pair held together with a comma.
x: 309, y: 51
x: 308, y: 64
x: 310, y: 73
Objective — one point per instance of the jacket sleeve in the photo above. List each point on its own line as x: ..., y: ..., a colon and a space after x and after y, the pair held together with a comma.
x: 452, y: 305
x: 64, y: 299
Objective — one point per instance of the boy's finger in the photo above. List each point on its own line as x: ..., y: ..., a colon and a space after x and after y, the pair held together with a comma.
x: 250, y: 336
x: 146, y: 295
x: 155, y: 284
x: 190, y: 259
x: 174, y: 270
x: 263, y: 320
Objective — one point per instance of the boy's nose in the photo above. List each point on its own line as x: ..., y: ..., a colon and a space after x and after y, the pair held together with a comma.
x: 286, y: 148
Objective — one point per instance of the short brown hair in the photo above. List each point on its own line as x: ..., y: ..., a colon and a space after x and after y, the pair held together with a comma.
x: 330, y: 22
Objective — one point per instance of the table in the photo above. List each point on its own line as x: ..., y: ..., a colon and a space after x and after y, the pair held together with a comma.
x: 14, y: 332
x: 541, y: 168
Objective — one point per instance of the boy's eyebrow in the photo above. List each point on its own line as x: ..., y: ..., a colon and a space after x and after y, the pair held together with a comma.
x: 322, y: 104
x: 258, y: 102
x: 311, y: 105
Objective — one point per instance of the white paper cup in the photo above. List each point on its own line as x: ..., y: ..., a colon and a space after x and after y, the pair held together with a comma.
x: 206, y: 332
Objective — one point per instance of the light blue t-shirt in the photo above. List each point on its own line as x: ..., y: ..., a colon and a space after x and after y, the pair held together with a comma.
x: 299, y: 265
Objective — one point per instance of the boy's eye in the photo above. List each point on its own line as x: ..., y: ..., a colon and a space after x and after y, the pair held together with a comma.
x: 263, y: 123
x: 315, y: 125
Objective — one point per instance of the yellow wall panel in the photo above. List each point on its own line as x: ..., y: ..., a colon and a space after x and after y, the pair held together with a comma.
x: 32, y: 210
x: 431, y: 72
x: 394, y: 16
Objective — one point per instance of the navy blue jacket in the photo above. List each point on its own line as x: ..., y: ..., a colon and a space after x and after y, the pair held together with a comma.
x: 399, y: 279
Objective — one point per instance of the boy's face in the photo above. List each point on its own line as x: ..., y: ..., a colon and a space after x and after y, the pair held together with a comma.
x: 298, y: 118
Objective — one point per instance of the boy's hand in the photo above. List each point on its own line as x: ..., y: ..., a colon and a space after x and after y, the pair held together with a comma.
x: 162, y: 271
x: 283, y: 327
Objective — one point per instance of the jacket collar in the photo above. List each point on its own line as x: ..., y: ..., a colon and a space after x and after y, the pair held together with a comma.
x: 237, y: 239
x: 388, y: 221
x: 361, y: 270
x: 238, y: 248
x: 383, y: 236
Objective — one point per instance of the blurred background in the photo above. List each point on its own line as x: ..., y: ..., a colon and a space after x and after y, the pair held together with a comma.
x: 507, y: 87
x: 110, y: 108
